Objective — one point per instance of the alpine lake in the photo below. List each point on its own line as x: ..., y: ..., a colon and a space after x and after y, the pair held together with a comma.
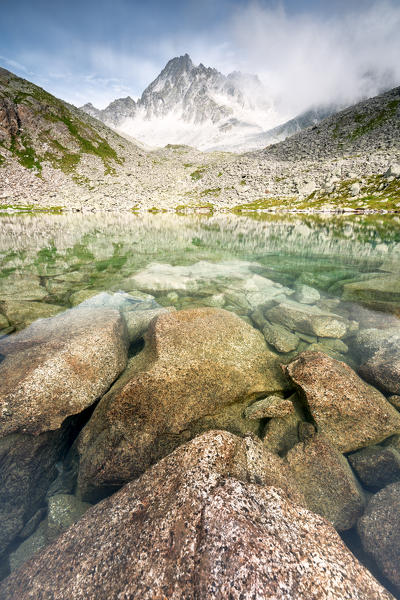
x: 325, y: 283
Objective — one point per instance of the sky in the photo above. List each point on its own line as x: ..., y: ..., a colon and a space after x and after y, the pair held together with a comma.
x: 307, y: 52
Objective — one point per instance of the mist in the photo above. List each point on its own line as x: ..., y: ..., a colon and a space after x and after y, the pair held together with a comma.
x: 309, y: 59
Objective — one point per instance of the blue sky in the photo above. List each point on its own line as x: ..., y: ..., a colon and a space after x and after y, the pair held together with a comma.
x: 97, y: 50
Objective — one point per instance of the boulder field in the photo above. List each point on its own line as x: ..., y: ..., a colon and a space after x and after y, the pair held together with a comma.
x: 216, y: 470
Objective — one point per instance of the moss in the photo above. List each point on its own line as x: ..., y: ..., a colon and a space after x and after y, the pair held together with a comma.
x: 21, y: 148
x: 211, y: 192
x: 188, y: 165
x: 197, y: 174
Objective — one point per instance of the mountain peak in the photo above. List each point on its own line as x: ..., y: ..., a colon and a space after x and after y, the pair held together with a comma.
x: 178, y: 65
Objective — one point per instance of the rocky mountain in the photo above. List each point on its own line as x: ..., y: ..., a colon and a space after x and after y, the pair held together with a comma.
x: 194, y: 105
x: 54, y: 155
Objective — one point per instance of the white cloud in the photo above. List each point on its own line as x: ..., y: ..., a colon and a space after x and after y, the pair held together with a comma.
x: 307, y: 59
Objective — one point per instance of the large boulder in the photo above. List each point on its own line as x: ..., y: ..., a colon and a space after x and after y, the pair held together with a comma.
x: 199, y: 370
x: 375, y: 466
x: 379, y: 351
x: 51, y: 371
x: 351, y: 413
x: 308, y: 319
x: 192, y: 527
x: 382, y: 293
x: 326, y: 481
x: 379, y: 530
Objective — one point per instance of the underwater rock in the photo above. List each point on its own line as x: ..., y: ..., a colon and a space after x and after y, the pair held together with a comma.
x: 138, y: 321
x: 376, y: 467
x: 326, y: 481
x: 20, y: 314
x: 306, y: 294
x: 199, y: 370
x: 380, y: 292
x: 272, y: 406
x: 282, y: 433
x: 63, y: 511
x: 51, y: 371
x: 192, y: 527
x: 379, y: 530
x: 351, y: 413
x: 280, y: 337
x: 308, y: 319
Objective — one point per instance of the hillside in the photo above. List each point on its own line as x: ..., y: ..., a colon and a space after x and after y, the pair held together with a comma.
x: 54, y: 155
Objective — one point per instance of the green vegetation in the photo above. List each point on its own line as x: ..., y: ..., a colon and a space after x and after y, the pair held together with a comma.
x: 44, y: 106
x: 379, y: 119
x: 211, y: 192
x: 198, y: 173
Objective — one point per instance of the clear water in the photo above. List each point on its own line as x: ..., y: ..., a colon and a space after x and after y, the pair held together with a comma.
x: 352, y: 263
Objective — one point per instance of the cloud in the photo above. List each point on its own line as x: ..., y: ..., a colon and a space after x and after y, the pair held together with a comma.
x: 307, y: 59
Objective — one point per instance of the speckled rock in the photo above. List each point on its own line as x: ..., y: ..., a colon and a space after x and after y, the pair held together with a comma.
x: 395, y: 401
x: 351, y: 413
x: 199, y: 370
x: 282, y: 433
x: 29, y: 547
x: 20, y: 314
x: 138, y: 321
x: 308, y: 319
x: 327, y: 481
x: 280, y: 337
x: 63, y: 511
x: 273, y: 406
x: 306, y: 294
x: 187, y: 515
x: 52, y: 370
x: 383, y: 370
x: 375, y: 466
x: 379, y: 530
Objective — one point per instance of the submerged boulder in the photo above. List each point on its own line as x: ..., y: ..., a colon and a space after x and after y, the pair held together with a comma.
x: 351, y: 413
x: 199, y: 370
x: 308, y: 319
x: 192, y: 527
x: 380, y: 351
x: 376, y: 466
x: 379, y: 530
x: 51, y: 371
x: 327, y: 482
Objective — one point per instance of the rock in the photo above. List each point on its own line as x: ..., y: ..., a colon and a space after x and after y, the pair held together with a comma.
x: 83, y: 295
x: 121, y: 301
x: 382, y: 293
x: 64, y: 510
x: 379, y: 530
x: 383, y: 370
x: 189, y: 514
x: 307, y: 188
x: 351, y: 413
x: 281, y: 338
x: 308, y: 319
x: 376, y: 467
x: 381, y: 349
x: 29, y: 547
x: 355, y: 189
x: 22, y: 314
x: 393, y: 171
x: 282, y: 433
x: 273, y: 406
x: 199, y: 370
x: 326, y: 481
x: 395, y: 401
x: 4, y: 324
x: 138, y: 321
x: 369, y: 341
x: 51, y: 371
x: 306, y: 294
x: 22, y: 287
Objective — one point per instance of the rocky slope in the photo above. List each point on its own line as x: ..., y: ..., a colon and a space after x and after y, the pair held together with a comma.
x: 52, y: 155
